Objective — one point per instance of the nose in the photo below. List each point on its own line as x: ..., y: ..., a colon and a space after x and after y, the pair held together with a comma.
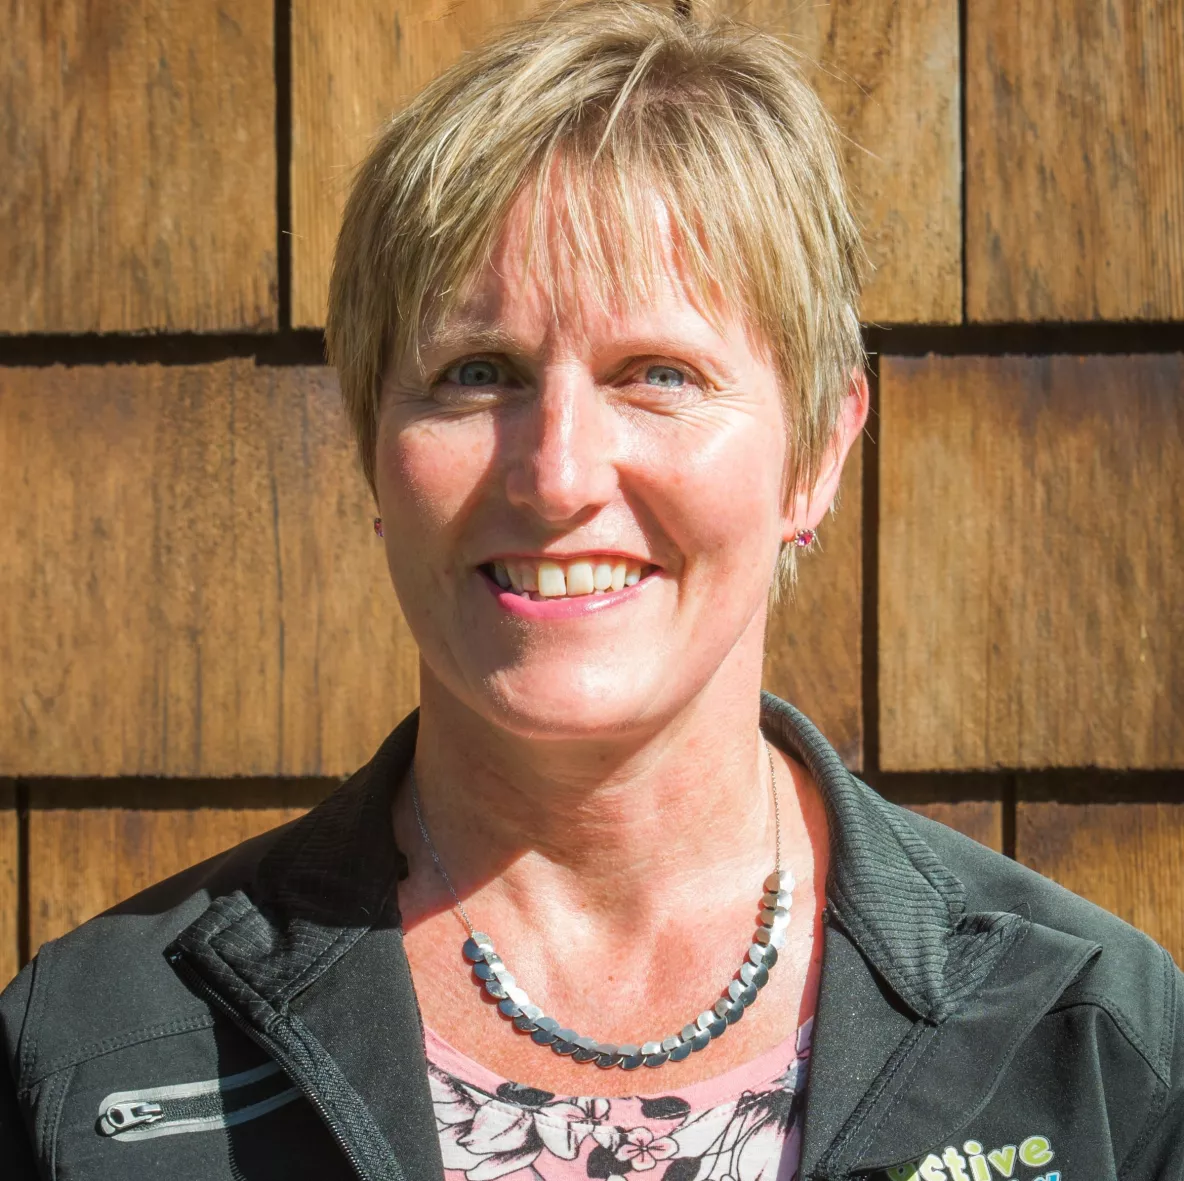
x: 561, y: 459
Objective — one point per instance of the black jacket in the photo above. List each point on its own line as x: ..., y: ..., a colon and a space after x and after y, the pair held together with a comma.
x: 975, y: 1021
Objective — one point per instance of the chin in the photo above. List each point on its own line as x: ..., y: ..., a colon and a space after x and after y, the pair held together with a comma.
x: 569, y: 702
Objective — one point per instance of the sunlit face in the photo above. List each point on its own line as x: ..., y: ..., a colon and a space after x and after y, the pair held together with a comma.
x: 582, y: 509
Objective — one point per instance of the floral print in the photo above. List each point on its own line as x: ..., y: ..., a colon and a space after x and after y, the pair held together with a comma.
x: 744, y: 1125
x: 643, y: 1149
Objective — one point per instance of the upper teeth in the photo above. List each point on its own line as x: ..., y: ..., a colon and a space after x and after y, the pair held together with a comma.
x: 549, y: 580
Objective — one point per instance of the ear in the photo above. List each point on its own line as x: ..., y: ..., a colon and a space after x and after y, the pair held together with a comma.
x: 808, y: 506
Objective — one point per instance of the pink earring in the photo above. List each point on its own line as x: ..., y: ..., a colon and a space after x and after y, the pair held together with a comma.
x: 804, y: 538
x: 378, y: 526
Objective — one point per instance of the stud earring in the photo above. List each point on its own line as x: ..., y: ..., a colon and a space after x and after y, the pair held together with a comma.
x: 804, y: 538
x: 378, y: 526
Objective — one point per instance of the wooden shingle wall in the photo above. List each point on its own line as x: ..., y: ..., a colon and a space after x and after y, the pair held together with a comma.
x: 197, y: 635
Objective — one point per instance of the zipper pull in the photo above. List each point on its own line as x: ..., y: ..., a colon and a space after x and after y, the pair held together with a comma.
x: 121, y: 1116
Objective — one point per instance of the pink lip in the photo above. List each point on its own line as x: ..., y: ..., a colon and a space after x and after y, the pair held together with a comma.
x: 564, y: 608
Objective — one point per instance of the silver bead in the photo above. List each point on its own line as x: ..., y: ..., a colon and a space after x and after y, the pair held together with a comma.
x: 525, y: 1024
x: 747, y: 995
x: 516, y: 994
x: 771, y: 901
x: 734, y: 1013
x: 648, y: 1048
x: 681, y: 1051
x: 757, y: 953
x: 586, y: 1043
x: 472, y: 951
x: 632, y: 1062
x: 566, y: 1035
x: 547, y: 1023
x: 735, y: 988
x: 762, y: 935
x: 544, y: 1037
x: 629, y: 1050
x: 494, y: 987
x: 717, y: 1027
x: 689, y: 1031
x: 564, y: 1045
x: 778, y: 880
x: 509, y: 1009
x: 482, y: 970
x: 721, y: 1006
x: 530, y: 1010
x: 609, y: 1048
x: 701, y: 1040
x: 705, y: 1018
x: 671, y: 1043
x: 604, y: 1061
x: 770, y: 918
x: 658, y: 1059
x: 482, y: 940
x: 583, y: 1055
x: 756, y: 975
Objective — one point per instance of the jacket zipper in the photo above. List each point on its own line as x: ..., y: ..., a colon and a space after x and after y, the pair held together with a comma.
x: 177, y: 960
x: 194, y: 1107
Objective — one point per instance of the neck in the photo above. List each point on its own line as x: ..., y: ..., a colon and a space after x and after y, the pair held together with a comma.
x: 625, y: 828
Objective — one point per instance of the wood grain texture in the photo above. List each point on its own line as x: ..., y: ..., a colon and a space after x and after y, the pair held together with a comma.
x: 354, y: 62
x: 189, y: 581
x: 971, y: 804
x: 1127, y: 856
x: 139, y: 167
x: 1075, y: 160
x: 1030, y: 587
x: 9, y: 889
x: 813, y: 653
x: 888, y: 73
x: 92, y: 844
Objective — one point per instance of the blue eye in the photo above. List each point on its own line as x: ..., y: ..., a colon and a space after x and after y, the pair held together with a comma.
x: 665, y: 376
x: 472, y: 373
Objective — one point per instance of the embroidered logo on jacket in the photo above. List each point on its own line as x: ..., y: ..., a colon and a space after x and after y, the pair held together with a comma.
x: 979, y: 1164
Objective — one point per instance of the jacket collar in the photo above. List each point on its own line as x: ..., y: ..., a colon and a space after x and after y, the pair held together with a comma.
x: 914, y: 986
x: 902, y: 958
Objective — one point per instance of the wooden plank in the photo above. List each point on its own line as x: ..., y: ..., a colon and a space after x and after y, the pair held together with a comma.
x: 190, y: 583
x: 888, y: 73
x: 971, y: 804
x: 92, y: 844
x: 139, y: 167
x: 1031, y: 522
x: 9, y: 884
x: 1125, y: 855
x: 354, y: 63
x: 813, y: 654
x: 1075, y: 160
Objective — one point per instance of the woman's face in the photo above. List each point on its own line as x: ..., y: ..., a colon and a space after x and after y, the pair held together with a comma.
x: 541, y: 454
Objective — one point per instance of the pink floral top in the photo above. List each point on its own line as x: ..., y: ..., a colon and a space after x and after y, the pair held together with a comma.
x: 744, y: 1125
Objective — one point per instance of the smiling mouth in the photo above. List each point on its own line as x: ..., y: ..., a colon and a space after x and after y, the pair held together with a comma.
x: 546, y: 578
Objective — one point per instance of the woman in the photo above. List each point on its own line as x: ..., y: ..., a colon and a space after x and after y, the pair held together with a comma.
x: 594, y: 311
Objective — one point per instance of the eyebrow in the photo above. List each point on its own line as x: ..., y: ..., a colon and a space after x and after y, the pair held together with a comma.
x: 472, y: 336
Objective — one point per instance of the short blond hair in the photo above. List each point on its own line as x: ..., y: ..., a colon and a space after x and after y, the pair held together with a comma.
x: 616, y: 100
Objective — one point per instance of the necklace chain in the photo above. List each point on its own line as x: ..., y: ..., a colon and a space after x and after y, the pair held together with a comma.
x: 514, y: 1003
x: 427, y: 840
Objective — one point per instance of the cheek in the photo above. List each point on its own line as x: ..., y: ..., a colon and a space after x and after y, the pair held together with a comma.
x: 720, y: 493
x: 427, y: 471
